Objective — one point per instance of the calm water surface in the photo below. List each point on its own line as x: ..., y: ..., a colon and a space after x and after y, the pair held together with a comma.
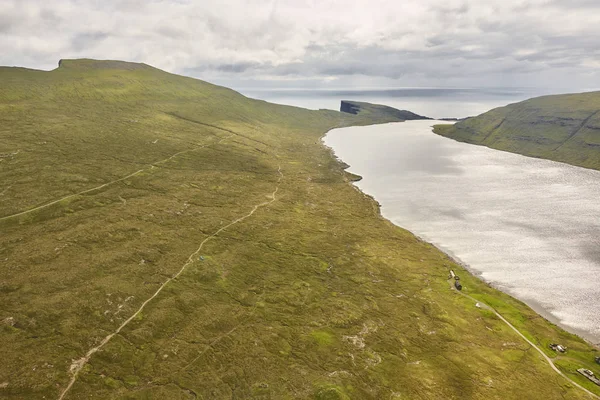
x: 530, y: 227
x: 431, y: 102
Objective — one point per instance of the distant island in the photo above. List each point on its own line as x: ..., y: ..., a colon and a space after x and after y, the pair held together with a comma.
x: 563, y: 128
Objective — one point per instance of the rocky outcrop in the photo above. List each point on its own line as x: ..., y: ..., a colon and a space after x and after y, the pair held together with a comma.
x: 349, y: 107
x: 377, y: 110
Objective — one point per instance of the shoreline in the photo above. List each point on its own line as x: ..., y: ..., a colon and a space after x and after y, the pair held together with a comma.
x: 534, y: 305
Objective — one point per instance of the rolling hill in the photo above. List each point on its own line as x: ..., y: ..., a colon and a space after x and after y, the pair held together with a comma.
x: 166, y: 238
x: 562, y: 128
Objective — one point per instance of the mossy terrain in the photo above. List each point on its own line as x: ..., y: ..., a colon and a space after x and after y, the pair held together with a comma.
x: 562, y: 128
x: 378, y: 112
x: 312, y: 295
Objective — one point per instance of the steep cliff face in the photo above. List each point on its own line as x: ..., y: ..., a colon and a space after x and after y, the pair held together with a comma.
x: 563, y: 128
x: 380, y: 111
x: 349, y: 107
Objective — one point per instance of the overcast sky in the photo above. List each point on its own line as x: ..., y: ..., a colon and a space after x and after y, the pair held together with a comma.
x: 321, y: 43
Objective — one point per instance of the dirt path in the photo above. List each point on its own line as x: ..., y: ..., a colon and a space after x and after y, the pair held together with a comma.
x: 5, y: 190
x: 78, y: 365
x: 548, y: 359
x: 149, y: 167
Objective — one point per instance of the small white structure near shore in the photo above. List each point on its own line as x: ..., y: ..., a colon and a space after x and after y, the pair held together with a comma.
x: 558, y: 347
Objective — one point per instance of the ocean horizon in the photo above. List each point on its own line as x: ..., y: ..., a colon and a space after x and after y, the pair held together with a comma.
x: 434, y: 102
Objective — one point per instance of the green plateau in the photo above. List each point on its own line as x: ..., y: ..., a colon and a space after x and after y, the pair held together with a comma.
x: 377, y: 112
x: 563, y: 128
x: 166, y: 238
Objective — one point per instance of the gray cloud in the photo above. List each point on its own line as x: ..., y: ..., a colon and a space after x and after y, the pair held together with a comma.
x: 587, y: 4
x: 6, y: 24
x: 337, y: 43
x: 86, y: 40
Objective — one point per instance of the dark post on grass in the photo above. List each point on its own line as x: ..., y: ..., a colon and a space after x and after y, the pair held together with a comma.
x: 457, y: 284
x: 456, y: 278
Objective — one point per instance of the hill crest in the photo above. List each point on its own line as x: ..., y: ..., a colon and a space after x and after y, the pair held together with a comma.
x: 87, y: 63
x: 563, y: 128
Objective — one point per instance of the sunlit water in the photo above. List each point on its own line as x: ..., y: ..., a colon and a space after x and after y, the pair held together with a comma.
x: 530, y: 227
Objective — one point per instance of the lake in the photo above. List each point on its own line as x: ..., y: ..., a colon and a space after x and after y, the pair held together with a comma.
x: 530, y: 227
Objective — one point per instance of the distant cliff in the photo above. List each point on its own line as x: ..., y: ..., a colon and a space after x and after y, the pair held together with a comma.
x: 379, y: 111
x: 562, y: 128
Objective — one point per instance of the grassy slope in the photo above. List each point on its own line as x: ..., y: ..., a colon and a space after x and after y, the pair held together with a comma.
x: 378, y: 112
x: 314, y: 296
x: 563, y: 128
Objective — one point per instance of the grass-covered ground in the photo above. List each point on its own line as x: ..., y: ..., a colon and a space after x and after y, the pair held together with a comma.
x: 562, y: 128
x: 312, y: 296
x: 378, y: 112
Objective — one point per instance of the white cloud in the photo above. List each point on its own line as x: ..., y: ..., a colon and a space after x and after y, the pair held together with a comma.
x: 424, y: 42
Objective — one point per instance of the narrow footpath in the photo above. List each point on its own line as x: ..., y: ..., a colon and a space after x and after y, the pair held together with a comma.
x: 78, y: 365
x: 147, y: 168
x: 548, y: 359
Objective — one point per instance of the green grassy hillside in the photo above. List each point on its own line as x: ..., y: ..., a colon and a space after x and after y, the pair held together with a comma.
x: 377, y: 111
x: 563, y: 128
x: 165, y: 238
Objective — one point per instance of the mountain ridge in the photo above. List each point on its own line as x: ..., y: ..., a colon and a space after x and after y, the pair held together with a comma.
x: 163, y: 237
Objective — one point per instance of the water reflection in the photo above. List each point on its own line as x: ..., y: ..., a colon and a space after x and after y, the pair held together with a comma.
x: 529, y: 226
